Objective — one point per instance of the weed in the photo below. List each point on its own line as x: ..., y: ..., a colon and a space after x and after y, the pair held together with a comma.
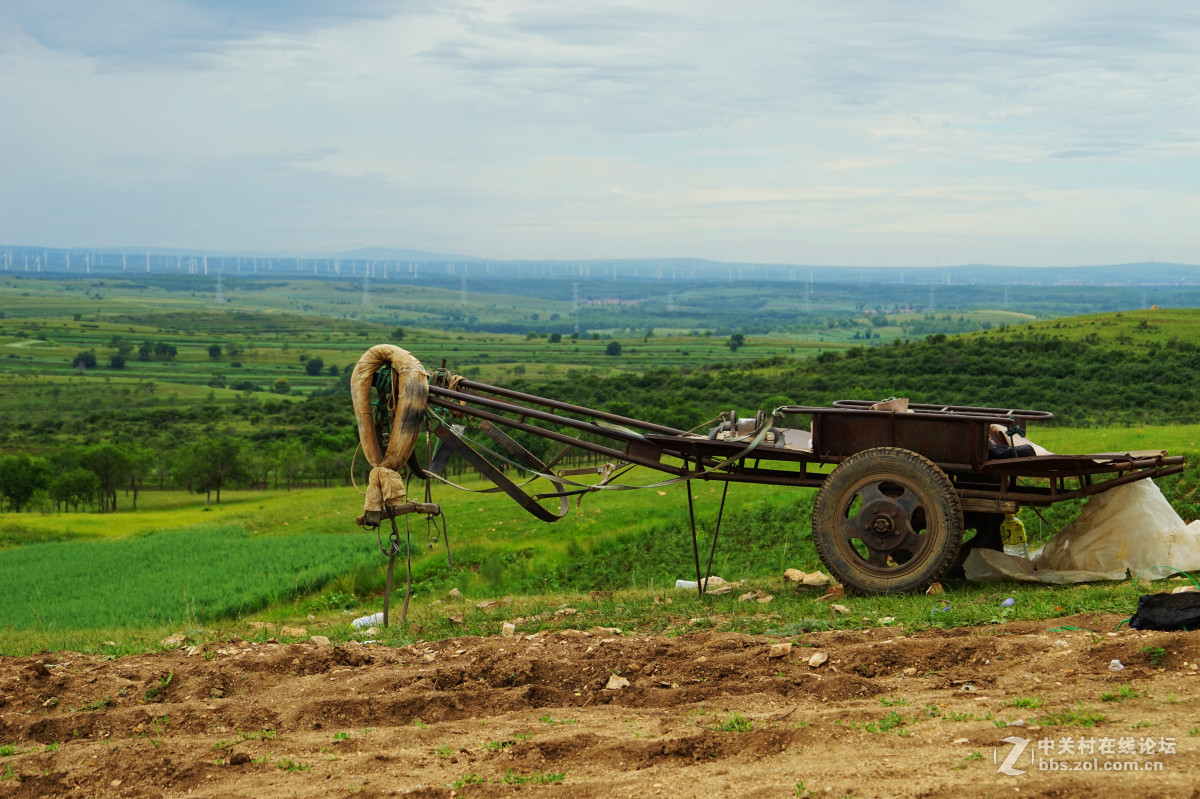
x: 444, y: 752
x: 496, y: 746
x: 1027, y: 702
x: 1126, y: 691
x: 1194, y: 731
x: 99, y: 704
x: 511, y: 778
x: 548, y: 719
x: 932, y: 711
x: 9, y: 773
x: 971, y: 757
x: 420, y: 724
x: 51, y: 747
x: 1155, y: 654
x: 734, y: 723
x: 893, y: 701
x: 1082, y: 716
x: 8, y: 750
x: 467, y: 779
x: 341, y: 736
x: 892, y: 721
x: 287, y: 764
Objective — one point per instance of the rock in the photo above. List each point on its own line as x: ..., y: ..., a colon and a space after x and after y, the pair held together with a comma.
x: 962, y: 740
x: 175, y: 639
x: 321, y: 640
x: 835, y: 592
x: 749, y: 596
x: 842, y: 609
x: 607, y: 630
x: 294, y: 632
x: 192, y: 651
x: 936, y: 588
x: 457, y: 619
x: 1185, y: 589
x: 816, y: 579
x: 51, y: 702
x: 454, y: 594
x: 817, y: 659
x: 565, y: 612
x: 570, y: 633
x: 508, y: 629
x: 239, y: 759
x: 616, y: 682
x: 764, y: 599
x: 795, y: 575
x: 371, y: 631
x: 39, y: 668
x: 780, y: 650
x: 910, y: 671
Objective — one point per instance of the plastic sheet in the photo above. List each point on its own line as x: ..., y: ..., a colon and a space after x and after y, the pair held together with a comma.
x: 1128, y: 529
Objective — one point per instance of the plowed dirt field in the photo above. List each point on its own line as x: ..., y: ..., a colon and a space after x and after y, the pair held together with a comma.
x: 932, y: 714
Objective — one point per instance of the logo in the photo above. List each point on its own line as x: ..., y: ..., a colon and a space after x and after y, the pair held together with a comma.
x: 1018, y: 749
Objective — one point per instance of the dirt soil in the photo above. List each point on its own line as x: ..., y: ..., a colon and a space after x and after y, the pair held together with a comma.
x: 707, y: 714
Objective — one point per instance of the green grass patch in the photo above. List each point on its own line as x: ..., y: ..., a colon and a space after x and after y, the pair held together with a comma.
x: 191, y: 574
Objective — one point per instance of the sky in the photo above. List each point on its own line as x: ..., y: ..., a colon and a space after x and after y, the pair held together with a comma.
x: 790, y: 131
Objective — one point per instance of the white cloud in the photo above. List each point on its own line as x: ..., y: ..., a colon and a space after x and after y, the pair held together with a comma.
x: 824, y: 132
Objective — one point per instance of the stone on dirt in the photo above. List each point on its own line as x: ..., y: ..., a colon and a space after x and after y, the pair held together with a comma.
x: 780, y: 650
x: 816, y: 579
x: 842, y: 609
x: 508, y: 629
x: 795, y: 575
x: 817, y: 659
x: 454, y: 594
x: 321, y: 640
x: 175, y: 639
x: 934, y: 589
x: 616, y: 682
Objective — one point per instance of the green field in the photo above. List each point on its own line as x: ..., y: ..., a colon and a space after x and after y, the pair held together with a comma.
x: 281, y: 543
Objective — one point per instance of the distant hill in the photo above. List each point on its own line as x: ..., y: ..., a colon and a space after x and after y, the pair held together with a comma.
x: 1124, y: 368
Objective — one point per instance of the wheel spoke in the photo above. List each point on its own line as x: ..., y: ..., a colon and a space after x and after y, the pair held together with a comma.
x: 913, y: 542
x: 871, y: 493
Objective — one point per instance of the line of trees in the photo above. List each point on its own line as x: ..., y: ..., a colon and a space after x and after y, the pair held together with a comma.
x: 96, y: 476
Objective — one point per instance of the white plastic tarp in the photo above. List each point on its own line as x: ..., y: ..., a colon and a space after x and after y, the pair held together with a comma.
x: 1123, y: 530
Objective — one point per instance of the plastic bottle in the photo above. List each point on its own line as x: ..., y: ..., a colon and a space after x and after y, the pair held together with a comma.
x: 1012, y: 533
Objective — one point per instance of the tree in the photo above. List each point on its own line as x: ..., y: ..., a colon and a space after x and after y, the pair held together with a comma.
x: 20, y: 476
x: 736, y: 341
x: 212, y: 464
x: 398, y: 334
x: 613, y: 348
x: 333, y: 370
x: 555, y: 338
x: 111, y: 466
x: 85, y: 360
x: 217, y: 380
x: 165, y: 350
x: 281, y: 386
x: 73, y: 487
x: 116, y: 361
x: 314, y: 366
x: 214, y: 350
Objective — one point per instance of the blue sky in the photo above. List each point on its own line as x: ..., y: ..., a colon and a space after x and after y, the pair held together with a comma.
x: 865, y: 133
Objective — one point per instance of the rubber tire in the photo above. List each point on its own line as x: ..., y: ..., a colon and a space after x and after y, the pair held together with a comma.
x: 930, y: 488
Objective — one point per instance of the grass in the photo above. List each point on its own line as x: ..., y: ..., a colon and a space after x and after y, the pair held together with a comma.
x: 1155, y: 654
x: 734, y: 722
x: 1123, y: 693
x: 1027, y: 702
x: 1082, y: 716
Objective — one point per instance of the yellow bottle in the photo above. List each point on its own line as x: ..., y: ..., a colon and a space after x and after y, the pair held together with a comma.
x: 1012, y: 534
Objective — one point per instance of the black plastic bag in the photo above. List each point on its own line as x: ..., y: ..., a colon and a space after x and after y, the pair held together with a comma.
x: 1167, y: 612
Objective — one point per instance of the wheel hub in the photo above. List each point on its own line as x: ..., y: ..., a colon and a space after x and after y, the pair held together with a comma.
x: 884, y: 526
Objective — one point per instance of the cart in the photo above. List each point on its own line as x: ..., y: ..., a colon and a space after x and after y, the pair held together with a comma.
x: 897, y: 489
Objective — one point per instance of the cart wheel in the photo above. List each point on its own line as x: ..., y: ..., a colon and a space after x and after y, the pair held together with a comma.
x: 886, y: 520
